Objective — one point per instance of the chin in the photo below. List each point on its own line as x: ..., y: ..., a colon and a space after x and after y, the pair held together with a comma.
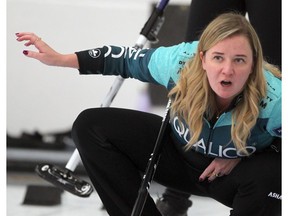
x: 226, y: 97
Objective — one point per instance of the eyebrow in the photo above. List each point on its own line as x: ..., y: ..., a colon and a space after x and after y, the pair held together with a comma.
x: 238, y: 55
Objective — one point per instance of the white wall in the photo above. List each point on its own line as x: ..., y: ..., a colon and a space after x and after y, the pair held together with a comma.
x: 46, y: 98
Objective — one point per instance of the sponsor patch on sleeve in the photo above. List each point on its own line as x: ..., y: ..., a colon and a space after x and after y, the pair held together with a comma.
x: 94, y: 53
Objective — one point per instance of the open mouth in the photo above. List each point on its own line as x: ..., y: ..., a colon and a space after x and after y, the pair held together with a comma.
x: 226, y: 83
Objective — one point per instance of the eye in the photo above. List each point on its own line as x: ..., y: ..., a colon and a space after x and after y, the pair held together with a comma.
x: 218, y: 58
x: 239, y: 60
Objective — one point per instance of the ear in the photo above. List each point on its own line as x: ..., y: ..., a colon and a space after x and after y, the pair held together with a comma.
x: 202, y: 57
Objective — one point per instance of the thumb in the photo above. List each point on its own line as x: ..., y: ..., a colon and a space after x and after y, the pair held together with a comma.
x: 31, y: 54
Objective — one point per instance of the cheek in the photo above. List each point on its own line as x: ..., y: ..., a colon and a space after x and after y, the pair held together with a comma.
x: 204, y: 65
x: 211, y: 72
x: 245, y: 80
x: 242, y: 79
x: 211, y: 77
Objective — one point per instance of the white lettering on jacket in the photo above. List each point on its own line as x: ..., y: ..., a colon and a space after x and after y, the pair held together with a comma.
x: 210, y: 149
x: 124, y: 51
x: 219, y: 151
x: 275, y: 195
x: 182, y: 131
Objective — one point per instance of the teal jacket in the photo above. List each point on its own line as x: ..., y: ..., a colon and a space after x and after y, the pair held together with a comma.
x: 162, y: 66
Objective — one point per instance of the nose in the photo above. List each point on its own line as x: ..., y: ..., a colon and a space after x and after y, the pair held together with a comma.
x: 228, y: 67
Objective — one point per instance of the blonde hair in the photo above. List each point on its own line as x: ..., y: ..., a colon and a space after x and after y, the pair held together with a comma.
x: 193, y: 97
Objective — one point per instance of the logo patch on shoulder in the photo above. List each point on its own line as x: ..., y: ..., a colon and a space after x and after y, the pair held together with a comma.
x: 278, y: 131
x: 94, y: 53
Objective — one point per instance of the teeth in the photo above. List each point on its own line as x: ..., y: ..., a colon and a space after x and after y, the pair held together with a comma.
x: 225, y: 82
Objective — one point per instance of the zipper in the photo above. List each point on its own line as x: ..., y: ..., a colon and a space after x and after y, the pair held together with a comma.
x: 212, y: 126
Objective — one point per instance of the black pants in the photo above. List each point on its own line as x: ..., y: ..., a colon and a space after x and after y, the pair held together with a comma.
x: 115, y: 145
x: 264, y: 15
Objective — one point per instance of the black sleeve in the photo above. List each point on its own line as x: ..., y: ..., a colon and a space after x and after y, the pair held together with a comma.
x: 91, y: 61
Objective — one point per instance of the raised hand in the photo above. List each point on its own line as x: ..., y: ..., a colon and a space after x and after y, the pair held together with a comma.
x: 45, y: 53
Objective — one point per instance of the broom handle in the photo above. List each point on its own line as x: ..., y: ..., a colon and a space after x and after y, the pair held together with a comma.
x: 148, y: 33
x: 152, y: 165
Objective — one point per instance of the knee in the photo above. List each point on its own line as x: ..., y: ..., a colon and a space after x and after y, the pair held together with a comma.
x: 88, y: 130
x: 81, y: 122
x: 83, y: 125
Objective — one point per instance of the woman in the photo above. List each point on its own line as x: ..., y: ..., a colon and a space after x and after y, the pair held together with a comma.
x: 268, y: 28
x: 225, y: 116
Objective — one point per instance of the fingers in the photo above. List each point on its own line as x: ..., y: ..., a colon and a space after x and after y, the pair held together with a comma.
x: 214, y: 175
x: 31, y: 38
x: 210, y: 174
x: 44, y: 53
x: 219, y: 167
x: 213, y: 171
x: 31, y: 54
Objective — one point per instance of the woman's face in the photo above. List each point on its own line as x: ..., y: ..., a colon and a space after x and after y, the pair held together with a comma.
x: 228, y: 65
